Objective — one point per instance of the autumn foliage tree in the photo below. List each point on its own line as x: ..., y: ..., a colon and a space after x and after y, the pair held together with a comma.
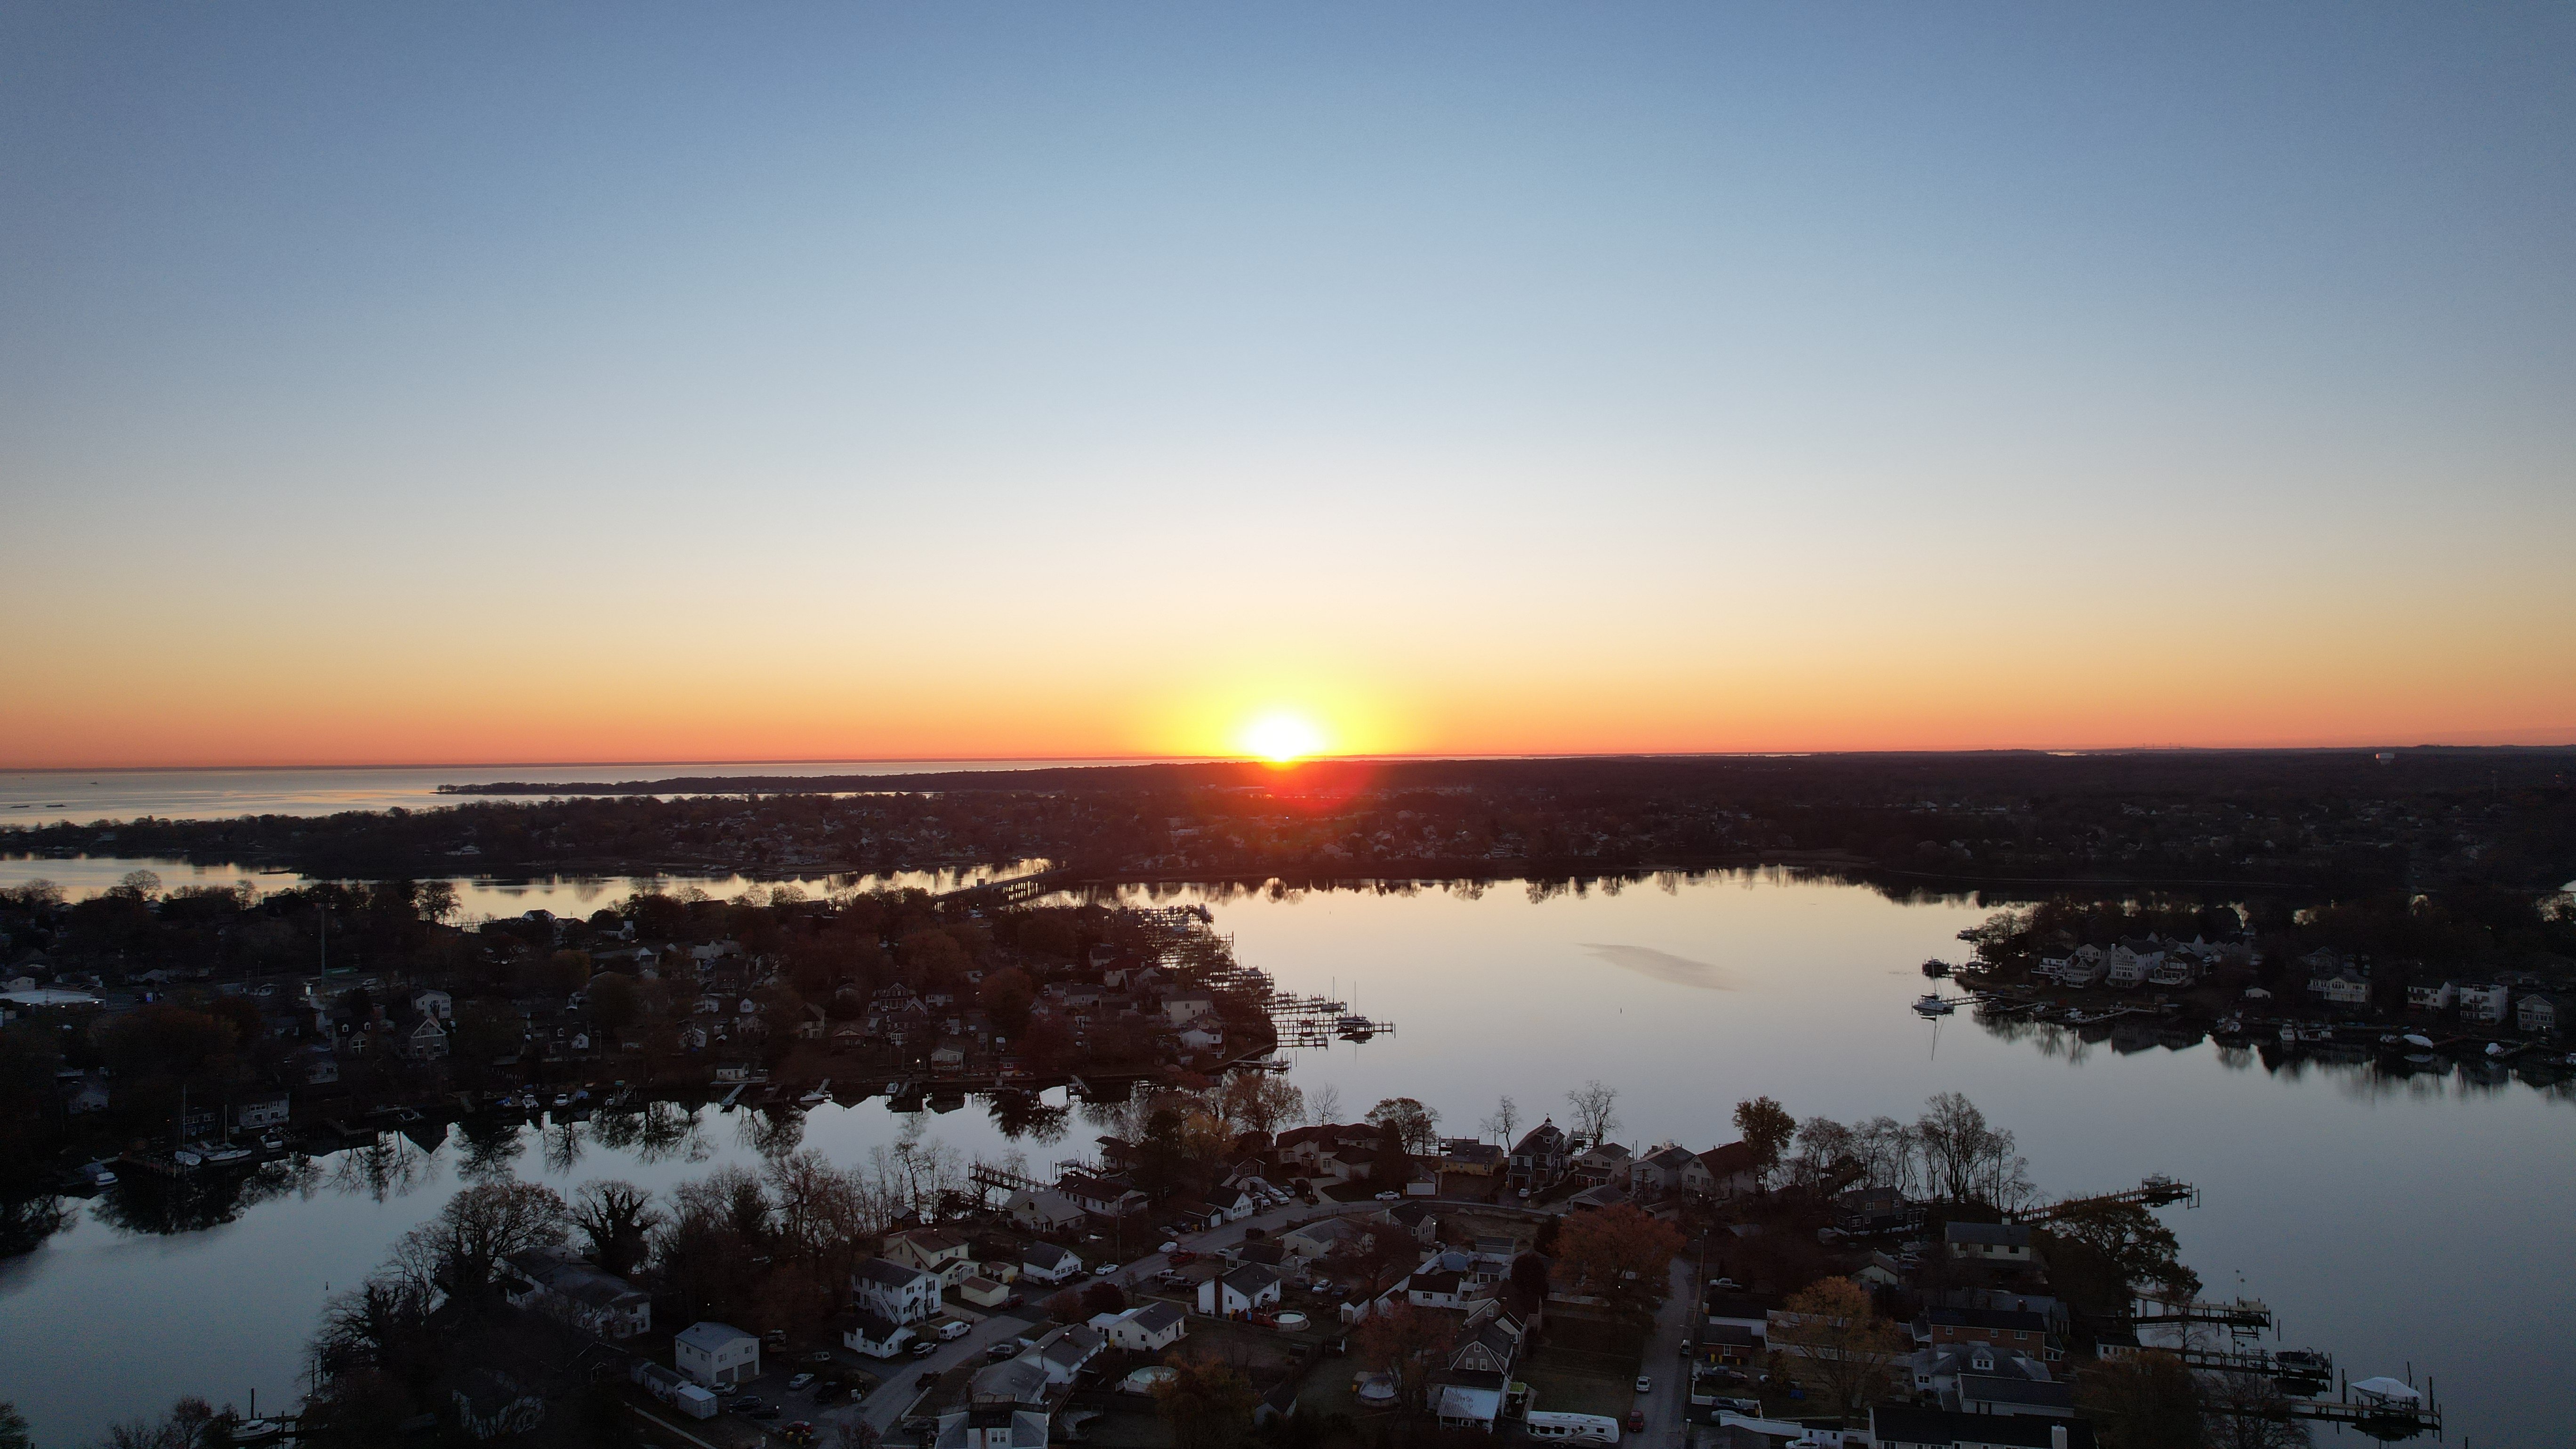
x: 1621, y: 1254
x: 1207, y: 1404
x: 1835, y: 1343
x: 1401, y: 1341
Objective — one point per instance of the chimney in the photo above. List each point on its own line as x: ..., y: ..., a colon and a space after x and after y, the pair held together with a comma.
x: 2057, y: 1436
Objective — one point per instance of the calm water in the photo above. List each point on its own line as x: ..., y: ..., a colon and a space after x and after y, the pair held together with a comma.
x: 481, y: 897
x: 35, y: 797
x: 2423, y: 1222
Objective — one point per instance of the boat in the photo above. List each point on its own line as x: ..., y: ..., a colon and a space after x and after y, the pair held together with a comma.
x: 820, y: 1095
x: 223, y: 1154
x: 256, y: 1431
x: 272, y: 1142
x: 1930, y: 1003
x: 185, y: 1158
x: 1936, y: 968
x: 2418, y: 1040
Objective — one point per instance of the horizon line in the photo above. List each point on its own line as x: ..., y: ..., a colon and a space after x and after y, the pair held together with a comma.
x: 1112, y: 761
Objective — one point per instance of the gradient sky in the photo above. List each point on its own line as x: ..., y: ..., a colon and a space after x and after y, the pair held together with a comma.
x: 502, y: 383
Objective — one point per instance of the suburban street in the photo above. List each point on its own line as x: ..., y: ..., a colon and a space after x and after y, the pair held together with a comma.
x: 888, y: 1402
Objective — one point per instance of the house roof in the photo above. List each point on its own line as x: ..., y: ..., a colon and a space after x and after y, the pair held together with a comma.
x: 875, y: 1327
x: 1155, y: 1317
x: 1022, y: 1380
x: 1047, y: 1255
x: 1252, y: 1278
x: 1889, y: 1424
x: 2003, y: 1389
x: 1728, y: 1160
x: 1998, y: 1235
x: 928, y: 1240
x: 709, y: 1336
x: 891, y: 1273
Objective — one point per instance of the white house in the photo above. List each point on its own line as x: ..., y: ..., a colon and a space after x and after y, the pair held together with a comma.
x: 992, y: 1426
x: 558, y: 1282
x: 1049, y: 1263
x: 1988, y: 1242
x: 874, y: 1334
x: 2483, y: 1003
x: 717, y: 1355
x: 1247, y: 1288
x: 1150, y: 1328
x: 895, y: 1290
x: 2343, y: 985
x: 2131, y: 962
x: 430, y: 1001
x: 2536, y: 1013
x: 933, y: 1251
x: 261, y: 1113
x: 2432, y: 998
x: 1044, y: 1212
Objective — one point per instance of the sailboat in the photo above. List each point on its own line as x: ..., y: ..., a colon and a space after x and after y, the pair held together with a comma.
x: 1930, y: 1003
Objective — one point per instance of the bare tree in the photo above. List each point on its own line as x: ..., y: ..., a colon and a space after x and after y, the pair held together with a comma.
x: 1507, y: 1115
x: 1595, y: 1109
x: 458, y: 1251
x: 1964, y: 1159
x: 1323, y: 1104
x: 617, y: 1217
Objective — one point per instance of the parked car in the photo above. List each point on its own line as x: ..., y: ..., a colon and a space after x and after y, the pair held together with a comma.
x: 1390, y: 1197
x: 1000, y: 1351
x: 799, y: 1382
x: 1169, y: 1247
x: 820, y: 1355
x: 925, y: 1347
x: 765, y: 1411
x: 1636, y: 1421
x: 954, y: 1328
x: 1645, y: 1384
x: 1183, y: 1255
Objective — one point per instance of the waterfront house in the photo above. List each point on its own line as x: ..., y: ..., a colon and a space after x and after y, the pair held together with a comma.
x: 2422, y: 997
x: 2537, y: 1013
x: 1240, y: 1292
x: 2483, y: 1003
x: 1101, y: 1197
x: 933, y: 1251
x: 556, y: 1281
x: 2006, y: 1328
x: 1987, y: 1242
x: 2338, y: 982
x: 871, y: 1333
x: 1468, y: 1157
x: 1539, y: 1158
x: 895, y: 1290
x: 422, y: 1039
x: 2129, y: 963
x: 1894, y: 1427
x: 716, y: 1355
x: 1183, y: 1007
x: 2083, y: 967
x: 1043, y: 1211
x: 1146, y: 1328
x: 1602, y: 1165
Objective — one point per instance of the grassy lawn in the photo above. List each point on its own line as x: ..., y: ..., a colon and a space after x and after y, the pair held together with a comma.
x: 1563, y: 1390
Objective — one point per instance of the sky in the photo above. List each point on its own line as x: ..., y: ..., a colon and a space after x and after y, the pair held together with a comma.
x: 670, y: 382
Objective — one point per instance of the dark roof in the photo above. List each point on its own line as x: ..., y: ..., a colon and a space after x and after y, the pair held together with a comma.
x: 1891, y: 1427
x: 1996, y: 1389
x: 1999, y: 1319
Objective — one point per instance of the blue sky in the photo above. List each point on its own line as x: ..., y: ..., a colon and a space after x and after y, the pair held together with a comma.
x: 1478, y: 377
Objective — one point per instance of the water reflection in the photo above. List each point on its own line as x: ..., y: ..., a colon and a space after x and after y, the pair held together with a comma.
x: 488, y: 1149
x: 1019, y: 1115
x: 392, y: 1165
x: 770, y: 1132
x: 24, y: 1225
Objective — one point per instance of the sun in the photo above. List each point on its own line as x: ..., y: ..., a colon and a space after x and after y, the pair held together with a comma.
x: 1280, y: 737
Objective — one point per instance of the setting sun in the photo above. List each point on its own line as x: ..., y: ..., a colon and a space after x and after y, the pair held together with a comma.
x: 1282, y: 737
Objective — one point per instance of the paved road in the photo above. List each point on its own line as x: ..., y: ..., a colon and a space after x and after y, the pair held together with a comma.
x: 888, y: 1401
x: 1668, y: 1405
